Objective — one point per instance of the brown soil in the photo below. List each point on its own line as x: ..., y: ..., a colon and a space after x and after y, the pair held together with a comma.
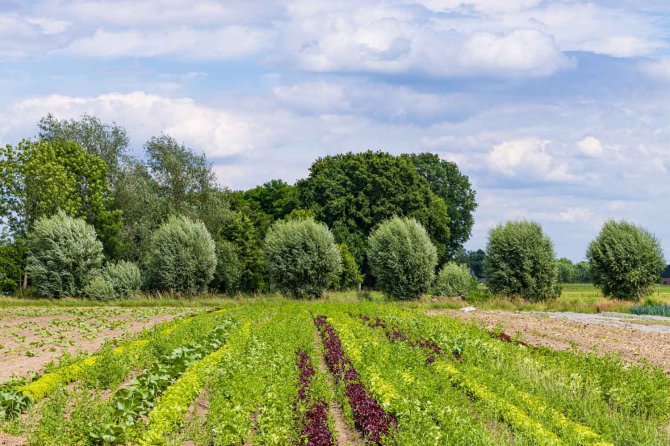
x: 633, y: 344
x: 29, y: 342
x: 344, y: 435
x: 9, y: 440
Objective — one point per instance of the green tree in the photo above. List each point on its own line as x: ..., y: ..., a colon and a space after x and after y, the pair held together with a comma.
x: 64, y: 254
x: 350, y: 277
x: 301, y: 257
x: 353, y: 192
x: 583, y: 270
x: 39, y: 178
x: 402, y: 258
x: 229, y: 268
x: 567, y: 271
x: 520, y: 262
x: 626, y: 260
x: 238, y: 229
x: 106, y: 141
x: 454, y: 188
x: 181, y: 256
x: 475, y: 260
x: 275, y: 198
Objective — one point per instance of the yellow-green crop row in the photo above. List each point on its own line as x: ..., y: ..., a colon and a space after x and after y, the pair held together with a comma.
x: 174, y: 403
x: 48, y: 382
x: 428, y: 411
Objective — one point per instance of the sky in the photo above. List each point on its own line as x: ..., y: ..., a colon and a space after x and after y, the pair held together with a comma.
x: 558, y: 111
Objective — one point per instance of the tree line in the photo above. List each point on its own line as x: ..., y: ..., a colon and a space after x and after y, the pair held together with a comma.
x: 82, y: 169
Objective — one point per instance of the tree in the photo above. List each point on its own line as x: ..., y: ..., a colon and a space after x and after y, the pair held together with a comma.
x: 454, y: 188
x: 454, y: 280
x: 583, y: 271
x: 106, y: 141
x: 181, y: 256
x: 228, y: 268
x: 275, y: 198
x: 475, y: 260
x: 39, y: 178
x: 402, y: 258
x: 626, y: 260
x: 238, y: 229
x: 352, y: 193
x: 520, y: 262
x: 301, y: 257
x: 350, y: 277
x: 567, y: 271
x: 64, y: 253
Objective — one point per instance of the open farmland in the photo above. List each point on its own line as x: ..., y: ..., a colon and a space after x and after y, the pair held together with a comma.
x: 281, y: 373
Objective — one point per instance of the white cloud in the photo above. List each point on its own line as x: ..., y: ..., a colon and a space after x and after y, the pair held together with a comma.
x: 222, y: 43
x: 217, y: 132
x: 591, y: 147
x: 527, y: 159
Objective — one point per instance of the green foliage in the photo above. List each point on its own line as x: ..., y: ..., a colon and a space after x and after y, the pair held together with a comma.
x: 454, y: 188
x: 99, y: 288
x: 402, y: 258
x: 475, y: 261
x: 11, y: 260
x: 64, y: 252
x: 301, y: 257
x: 350, y: 277
x: 229, y: 268
x: 275, y: 198
x: 353, y: 192
x: 520, y: 262
x: 125, y: 278
x: 454, y: 279
x: 108, y: 142
x: 181, y: 256
x: 39, y: 178
x: 626, y: 260
x: 238, y: 228
x: 653, y: 310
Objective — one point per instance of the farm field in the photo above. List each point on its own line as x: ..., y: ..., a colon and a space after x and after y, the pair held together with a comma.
x: 280, y: 372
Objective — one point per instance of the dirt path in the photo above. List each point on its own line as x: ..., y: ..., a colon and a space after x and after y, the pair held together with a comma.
x: 602, y: 334
x: 344, y: 435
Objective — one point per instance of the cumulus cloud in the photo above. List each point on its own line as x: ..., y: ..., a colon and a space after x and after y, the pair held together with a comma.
x: 591, y: 147
x: 218, y: 132
x: 527, y: 159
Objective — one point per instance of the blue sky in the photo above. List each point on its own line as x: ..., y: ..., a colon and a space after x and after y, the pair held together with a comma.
x: 559, y: 111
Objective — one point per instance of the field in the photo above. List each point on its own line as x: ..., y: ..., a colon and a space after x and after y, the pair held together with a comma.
x: 277, y: 372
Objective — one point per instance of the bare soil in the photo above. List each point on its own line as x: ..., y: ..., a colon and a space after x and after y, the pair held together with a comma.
x: 28, y: 341
x: 633, y: 341
x: 10, y: 440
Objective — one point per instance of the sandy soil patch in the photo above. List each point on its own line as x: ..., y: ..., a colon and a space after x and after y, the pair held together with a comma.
x: 634, y: 342
x: 31, y: 338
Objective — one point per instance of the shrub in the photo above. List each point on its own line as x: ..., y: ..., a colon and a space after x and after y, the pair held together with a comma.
x: 626, y: 260
x: 99, y: 288
x: 520, y: 262
x: 64, y: 252
x: 301, y: 257
x: 229, y: 268
x: 351, y: 276
x: 125, y: 278
x: 454, y: 280
x: 181, y: 256
x: 402, y: 258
